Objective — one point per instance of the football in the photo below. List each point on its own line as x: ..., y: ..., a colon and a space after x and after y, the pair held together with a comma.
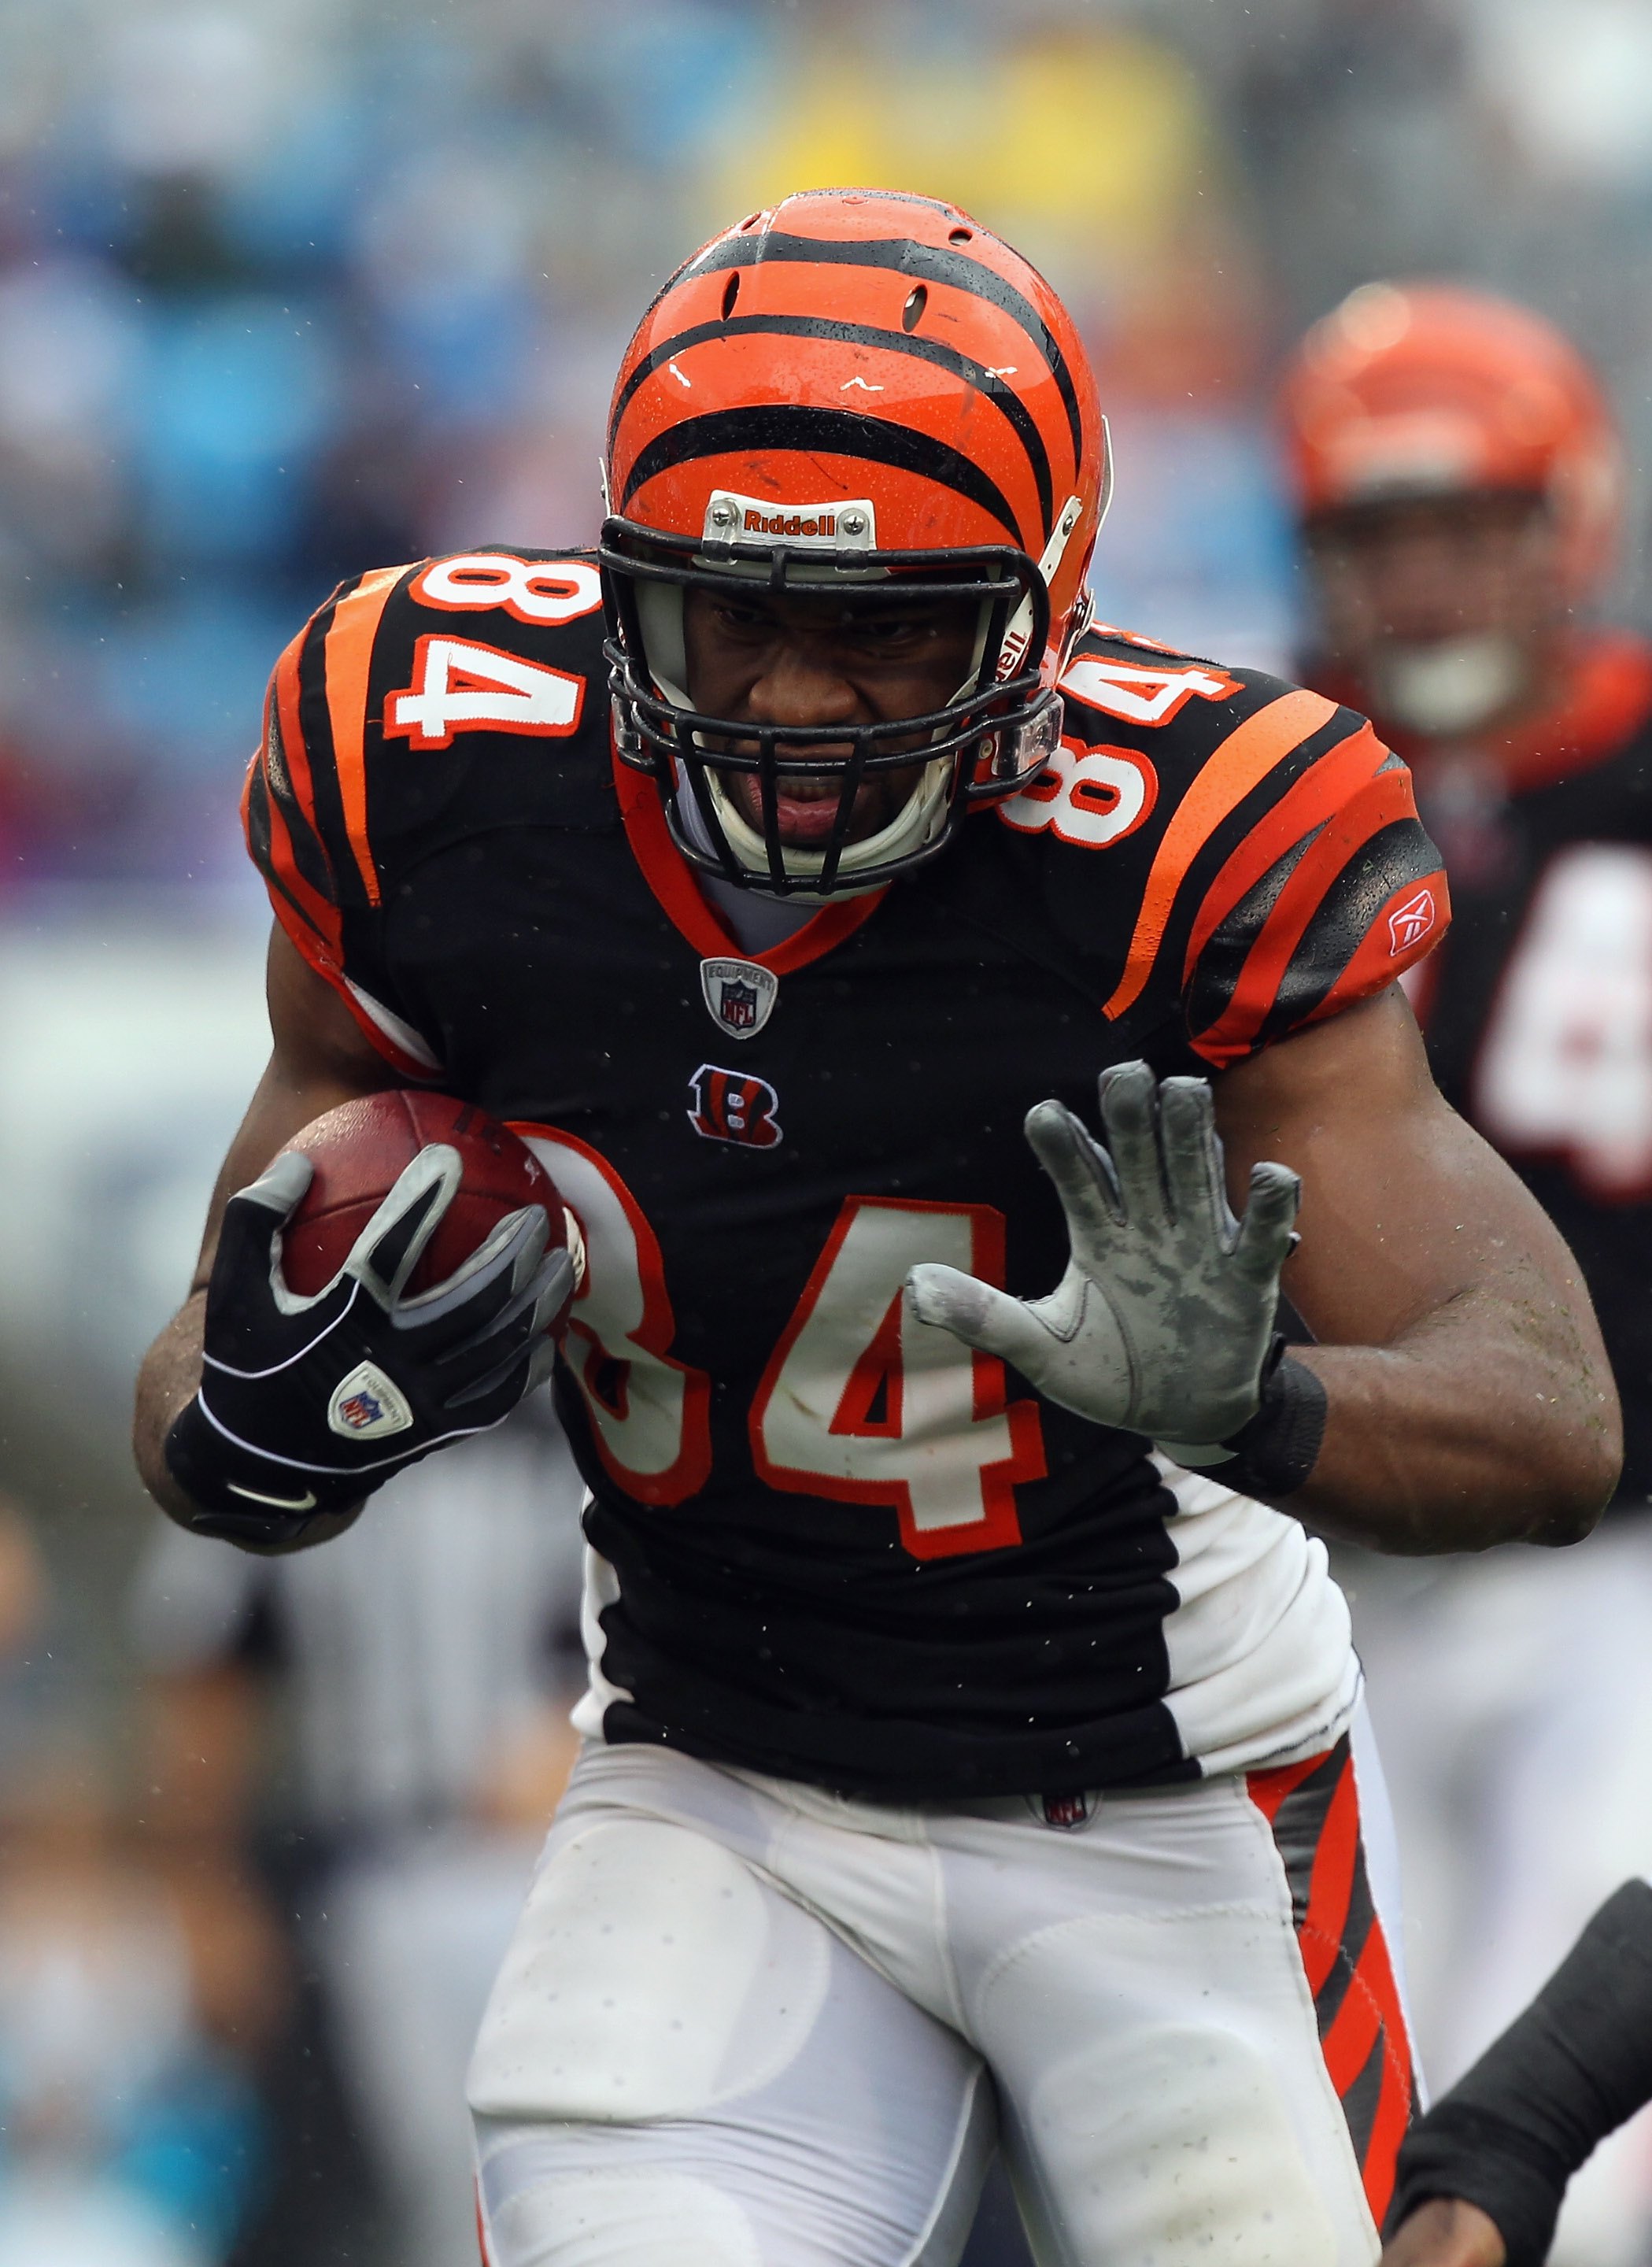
x: 360, y: 1150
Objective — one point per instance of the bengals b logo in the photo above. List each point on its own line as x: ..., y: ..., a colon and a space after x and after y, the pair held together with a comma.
x: 730, y: 1105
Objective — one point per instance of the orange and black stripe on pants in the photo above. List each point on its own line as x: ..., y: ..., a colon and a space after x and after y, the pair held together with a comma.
x: 1313, y: 1809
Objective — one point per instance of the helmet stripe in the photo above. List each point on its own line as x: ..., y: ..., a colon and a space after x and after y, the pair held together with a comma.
x: 924, y: 263
x: 827, y: 432
x: 816, y: 327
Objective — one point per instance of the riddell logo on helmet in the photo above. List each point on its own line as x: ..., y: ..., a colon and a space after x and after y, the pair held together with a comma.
x: 849, y: 524
x: 758, y: 523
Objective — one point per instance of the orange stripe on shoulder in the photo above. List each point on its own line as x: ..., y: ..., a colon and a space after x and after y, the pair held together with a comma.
x: 1317, y: 795
x: 350, y: 653
x: 1422, y: 912
x: 284, y: 693
x: 322, y: 916
x: 311, y: 948
x: 1384, y: 797
x: 1244, y: 759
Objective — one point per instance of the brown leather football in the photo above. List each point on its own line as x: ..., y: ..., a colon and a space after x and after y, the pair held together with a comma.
x: 360, y: 1150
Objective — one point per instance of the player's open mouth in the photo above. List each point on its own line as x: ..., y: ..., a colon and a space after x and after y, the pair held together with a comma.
x: 806, y: 810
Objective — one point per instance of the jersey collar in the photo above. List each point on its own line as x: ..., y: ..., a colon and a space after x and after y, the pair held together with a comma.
x: 1607, y: 698
x: 672, y: 878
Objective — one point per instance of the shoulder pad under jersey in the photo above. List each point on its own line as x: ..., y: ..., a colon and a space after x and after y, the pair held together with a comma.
x: 1267, y: 841
x: 420, y: 703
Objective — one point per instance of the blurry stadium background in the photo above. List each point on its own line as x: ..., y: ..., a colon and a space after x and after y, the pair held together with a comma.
x: 289, y: 288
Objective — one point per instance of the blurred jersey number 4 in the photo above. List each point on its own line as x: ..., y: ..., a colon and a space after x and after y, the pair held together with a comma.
x: 1566, y: 1066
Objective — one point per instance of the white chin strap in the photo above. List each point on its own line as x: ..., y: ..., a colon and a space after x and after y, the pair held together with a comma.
x: 1444, y: 689
x: 916, y: 822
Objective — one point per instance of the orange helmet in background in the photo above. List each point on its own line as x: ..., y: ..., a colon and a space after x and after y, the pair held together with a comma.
x: 1432, y: 389
x: 853, y: 390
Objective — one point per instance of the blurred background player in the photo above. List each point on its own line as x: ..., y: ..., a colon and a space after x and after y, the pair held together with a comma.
x: 1459, y: 483
x: 427, y: 1668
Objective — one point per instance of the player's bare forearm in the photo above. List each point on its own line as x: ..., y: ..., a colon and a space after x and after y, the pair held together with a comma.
x: 1446, y: 2233
x: 1471, y: 1401
x: 320, y: 1059
x: 1484, y: 1423
x: 170, y: 1374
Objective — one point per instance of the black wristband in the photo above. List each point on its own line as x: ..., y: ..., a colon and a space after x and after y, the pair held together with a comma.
x: 1274, y: 1451
x: 1566, y: 2073
x: 241, y: 1497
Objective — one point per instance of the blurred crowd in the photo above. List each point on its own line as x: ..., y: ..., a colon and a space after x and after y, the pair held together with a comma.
x: 244, y: 1949
x: 289, y: 288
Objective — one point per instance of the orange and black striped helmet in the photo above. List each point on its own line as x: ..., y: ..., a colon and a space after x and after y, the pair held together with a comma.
x: 854, y: 390
x: 1440, y: 389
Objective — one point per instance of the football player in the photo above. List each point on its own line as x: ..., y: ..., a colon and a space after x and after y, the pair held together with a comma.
x: 972, y: 1740
x: 1460, y: 482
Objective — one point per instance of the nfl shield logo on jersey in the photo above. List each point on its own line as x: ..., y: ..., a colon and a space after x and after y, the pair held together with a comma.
x: 741, y: 995
x: 736, y: 1004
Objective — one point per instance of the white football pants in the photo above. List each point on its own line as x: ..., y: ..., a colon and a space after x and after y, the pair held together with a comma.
x: 747, y: 2024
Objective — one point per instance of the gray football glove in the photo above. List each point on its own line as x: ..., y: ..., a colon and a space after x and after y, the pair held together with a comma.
x: 1164, y: 1316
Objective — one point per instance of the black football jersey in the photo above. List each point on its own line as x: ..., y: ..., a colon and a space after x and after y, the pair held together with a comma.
x: 1538, y: 1011
x: 830, y: 1541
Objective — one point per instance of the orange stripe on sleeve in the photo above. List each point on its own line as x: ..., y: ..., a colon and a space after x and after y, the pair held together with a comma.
x: 284, y: 690
x: 349, y: 652
x: 322, y: 916
x: 1245, y: 758
x: 311, y: 948
x: 1382, y: 800
x: 1383, y: 957
x: 1317, y: 795
x: 283, y: 693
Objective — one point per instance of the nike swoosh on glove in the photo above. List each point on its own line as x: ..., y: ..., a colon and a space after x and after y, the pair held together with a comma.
x: 308, y: 1404
x: 1165, y: 1317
